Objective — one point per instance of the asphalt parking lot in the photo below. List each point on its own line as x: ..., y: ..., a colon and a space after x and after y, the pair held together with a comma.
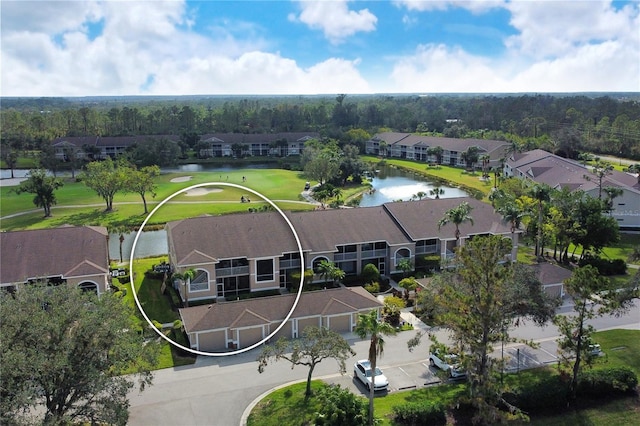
x: 418, y: 375
x: 401, y: 377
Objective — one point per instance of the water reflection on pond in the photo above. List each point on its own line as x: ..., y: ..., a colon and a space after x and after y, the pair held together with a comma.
x: 151, y: 243
x: 391, y: 184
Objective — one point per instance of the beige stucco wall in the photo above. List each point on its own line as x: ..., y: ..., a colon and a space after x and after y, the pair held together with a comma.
x: 101, y: 280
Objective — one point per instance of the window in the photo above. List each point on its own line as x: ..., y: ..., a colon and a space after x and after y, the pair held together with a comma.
x: 200, y: 281
x: 264, y: 270
x: 316, y: 264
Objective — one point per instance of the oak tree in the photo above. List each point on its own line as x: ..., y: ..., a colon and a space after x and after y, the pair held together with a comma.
x: 74, y: 356
x: 315, y: 345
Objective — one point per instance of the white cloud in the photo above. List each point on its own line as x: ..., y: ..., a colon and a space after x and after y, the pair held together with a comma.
x: 552, y: 29
x: 475, y: 6
x: 50, y: 17
x: 257, y: 73
x: 335, y: 19
x: 609, y: 66
x: 149, y: 47
x: 436, y: 68
x: 561, y: 46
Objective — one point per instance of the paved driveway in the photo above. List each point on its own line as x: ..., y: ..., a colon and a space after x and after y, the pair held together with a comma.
x: 216, y: 391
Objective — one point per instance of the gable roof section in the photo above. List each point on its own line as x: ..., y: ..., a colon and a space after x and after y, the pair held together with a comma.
x: 548, y: 273
x: 84, y: 268
x: 251, y: 235
x: 323, y: 230
x: 245, y: 313
x: 558, y: 172
x: 419, y: 219
x: 66, y: 251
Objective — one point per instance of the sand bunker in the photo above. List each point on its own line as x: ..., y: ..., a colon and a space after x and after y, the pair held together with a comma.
x: 181, y: 179
x: 195, y: 192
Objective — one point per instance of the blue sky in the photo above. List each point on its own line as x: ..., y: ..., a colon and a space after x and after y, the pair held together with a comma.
x: 84, y: 48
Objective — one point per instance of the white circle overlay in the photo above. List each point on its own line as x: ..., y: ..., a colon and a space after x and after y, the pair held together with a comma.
x: 194, y: 351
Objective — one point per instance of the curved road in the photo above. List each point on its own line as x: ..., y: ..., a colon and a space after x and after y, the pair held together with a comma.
x: 218, y: 390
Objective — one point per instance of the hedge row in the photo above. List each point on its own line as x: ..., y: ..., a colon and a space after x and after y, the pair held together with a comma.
x: 420, y: 413
x: 604, y: 266
x: 607, y: 382
x: 551, y: 393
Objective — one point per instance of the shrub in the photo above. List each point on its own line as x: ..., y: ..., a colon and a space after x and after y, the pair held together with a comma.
x: 428, y: 263
x: 608, y: 381
x: 338, y: 406
x: 604, y: 266
x: 548, y: 394
x: 370, y: 273
x: 420, y: 413
x: 373, y: 288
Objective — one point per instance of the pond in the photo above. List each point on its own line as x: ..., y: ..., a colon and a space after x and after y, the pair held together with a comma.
x: 150, y: 243
x: 391, y: 184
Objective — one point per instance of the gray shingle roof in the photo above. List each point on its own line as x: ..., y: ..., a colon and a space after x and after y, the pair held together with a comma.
x: 251, y: 235
x: 255, y: 235
x: 450, y: 144
x: 263, y: 310
x: 66, y: 251
x: 420, y: 219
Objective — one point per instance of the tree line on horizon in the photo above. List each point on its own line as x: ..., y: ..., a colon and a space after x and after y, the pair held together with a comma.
x: 565, y: 125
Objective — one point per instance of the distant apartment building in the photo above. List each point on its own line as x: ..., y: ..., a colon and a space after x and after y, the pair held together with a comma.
x: 417, y: 147
x: 543, y: 167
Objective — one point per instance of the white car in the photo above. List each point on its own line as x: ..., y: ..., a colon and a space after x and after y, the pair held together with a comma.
x: 362, y: 370
x: 448, y: 363
x: 594, y: 350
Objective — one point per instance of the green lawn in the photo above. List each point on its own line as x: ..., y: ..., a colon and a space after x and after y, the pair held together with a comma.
x: 286, y: 407
x: 282, y: 185
x: 157, y: 307
x: 622, y: 348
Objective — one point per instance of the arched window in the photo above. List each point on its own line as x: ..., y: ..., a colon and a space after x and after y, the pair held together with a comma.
x: 316, y: 263
x: 402, y: 253
x: 88, y: 286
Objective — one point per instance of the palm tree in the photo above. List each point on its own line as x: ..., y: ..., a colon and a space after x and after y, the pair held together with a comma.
x: 328, y: 269
x: 186, y: 278
x: 512, y: 213
x: 457, y: 216
x: 601, y: 169
x: 612, y: 193
x: 470, y: 157
x: 436, y: 151
x: 383, y: 148
x: 436, y: 192
x: 541, y: 193
x: 369, y: 325
x: 419, y: 195
x: 485, y: 162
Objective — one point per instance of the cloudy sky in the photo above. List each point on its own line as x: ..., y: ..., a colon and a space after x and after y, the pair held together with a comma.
x: 84, y: 48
